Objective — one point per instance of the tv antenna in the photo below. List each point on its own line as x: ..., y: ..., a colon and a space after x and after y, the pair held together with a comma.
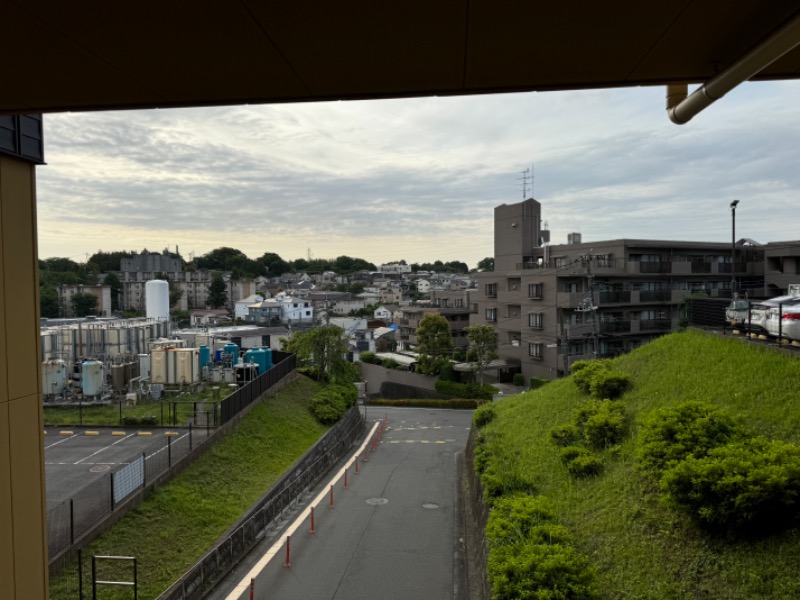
x: 527, y: 182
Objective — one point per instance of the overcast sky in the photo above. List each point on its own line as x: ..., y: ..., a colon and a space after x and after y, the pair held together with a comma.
x: 418, y: 179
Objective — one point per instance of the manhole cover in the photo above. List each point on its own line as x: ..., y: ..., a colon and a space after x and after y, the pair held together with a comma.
x: 99, y: 468
x: 430, y: 505
x: 377, y: 501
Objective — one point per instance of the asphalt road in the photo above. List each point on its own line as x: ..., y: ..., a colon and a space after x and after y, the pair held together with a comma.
x: 394, y: 533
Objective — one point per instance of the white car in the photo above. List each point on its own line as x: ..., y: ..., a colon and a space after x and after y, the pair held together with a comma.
x: 785, y: 321
x: 736, y: 313
x: 760, y: 312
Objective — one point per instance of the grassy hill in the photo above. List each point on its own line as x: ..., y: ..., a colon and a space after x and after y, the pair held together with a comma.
x: 642, y: 548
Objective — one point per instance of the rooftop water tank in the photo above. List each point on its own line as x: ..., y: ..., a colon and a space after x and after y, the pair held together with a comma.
x: 156, y: 292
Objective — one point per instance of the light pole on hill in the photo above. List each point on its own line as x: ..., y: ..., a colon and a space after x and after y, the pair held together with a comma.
x: 733, y: 247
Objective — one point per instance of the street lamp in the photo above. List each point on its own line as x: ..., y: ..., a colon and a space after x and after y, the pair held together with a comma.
x: 733, y: 247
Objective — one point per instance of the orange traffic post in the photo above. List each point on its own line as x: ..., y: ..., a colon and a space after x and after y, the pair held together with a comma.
x: 330, y: 504
x: 288, y: 562
x: 345, y: 478
x: 312, y: 521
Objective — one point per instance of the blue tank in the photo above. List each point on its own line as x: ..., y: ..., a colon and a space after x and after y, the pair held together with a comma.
x: 258, y: 357
x: 205, y: 356
x: 231, y: 350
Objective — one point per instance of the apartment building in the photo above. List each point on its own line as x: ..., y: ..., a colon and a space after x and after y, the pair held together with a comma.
x: 458, y: 318
x: 102, y: 292
x: 555, y: 304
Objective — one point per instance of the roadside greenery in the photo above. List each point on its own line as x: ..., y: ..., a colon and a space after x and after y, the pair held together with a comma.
x: 178, y: 522
x: 693, y: 494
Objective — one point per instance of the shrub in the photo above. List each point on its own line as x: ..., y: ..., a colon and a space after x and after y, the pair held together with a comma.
x: 570, y: 453
x: 584, y: 371
x: 513, y: 518
x: 140, y: 421
x: 389, y: 363
x: 540, y: 571
x: 329, y: 404
x: 519, y: 379
x: 537, y: 382
x: 564, y: 435
x: 369, y: 357
x: 742, y: 485
x: 584, y: 465
x: 483, y: 415
x: 448, y: 373
x: 606, y: 426
x: 609, y: 384
x: 466, y: 390
x: 671, y: 434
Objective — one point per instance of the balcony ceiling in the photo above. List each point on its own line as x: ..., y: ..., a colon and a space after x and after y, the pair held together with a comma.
x: 90, y: 55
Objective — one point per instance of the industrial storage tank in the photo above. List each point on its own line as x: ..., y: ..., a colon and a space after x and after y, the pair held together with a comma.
x: 158, y: 366
x: 92, y: 377
x: 144, y: 365
x: 174, y: 366
x: 205, y: 356
x: 268, y: 359
x: 231, y: 350
x: 258, y: 357
x: 156, y: 293
x: 54, y: 376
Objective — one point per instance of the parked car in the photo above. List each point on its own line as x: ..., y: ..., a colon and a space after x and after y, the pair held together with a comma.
x: 736, y: 313
x: 760, y: 311
x: 785, y: 321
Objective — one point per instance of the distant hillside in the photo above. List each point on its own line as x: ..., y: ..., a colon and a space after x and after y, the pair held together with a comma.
x: 642, y: 548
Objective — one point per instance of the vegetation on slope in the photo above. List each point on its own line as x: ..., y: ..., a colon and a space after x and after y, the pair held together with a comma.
x: 642, y: 547
x: 177, y: 523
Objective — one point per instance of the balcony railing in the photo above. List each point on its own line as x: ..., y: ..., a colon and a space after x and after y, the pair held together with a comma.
x: 655, y: 296
x: 614, y: 297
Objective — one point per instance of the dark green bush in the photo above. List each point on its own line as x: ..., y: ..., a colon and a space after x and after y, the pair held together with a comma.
x: 513, y: 518
x: 606, y: 426
x: 540, y: 571
x: 483, y: 415
x: 466, y: 390
x: 537, y: 382
x: 448, y: 373
x: 519, y: 379
x: 609, y: 384
x: 369, y: 357
x: 584, y: 372
x: 580, y: 462
x: 329, y: 404
x: 564, y: 435
x: 740, y: 486
x: 670, y: 434
x: 389, y: 363
x: 570, y: 453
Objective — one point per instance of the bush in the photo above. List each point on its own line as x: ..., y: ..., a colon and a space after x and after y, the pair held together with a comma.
x: 389, y: 363
x: 540, y: 571
x: 537, y: 382
x: 466, y: 390
x: 330, y: 403
x: 519, y: 379
x: 512, y: 519
x: 483, y: 415
x: 140, y: 421
x: 448, y: 373
x: 564, y: 435
x: 606, y: 426
x: 580, y: 462
x: 369, y: 357
x: 609, y: 384
x: 670, y: 434
x: 584, y: 371
x: 742, y: 485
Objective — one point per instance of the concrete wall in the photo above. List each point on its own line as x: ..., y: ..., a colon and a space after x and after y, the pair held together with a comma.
x: 376, y: 375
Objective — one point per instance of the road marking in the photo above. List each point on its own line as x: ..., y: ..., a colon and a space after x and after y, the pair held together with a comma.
x: 104, y: 448
x: 279, y: 544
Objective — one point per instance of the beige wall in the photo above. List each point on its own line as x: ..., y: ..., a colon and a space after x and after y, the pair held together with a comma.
x: 23, y: 544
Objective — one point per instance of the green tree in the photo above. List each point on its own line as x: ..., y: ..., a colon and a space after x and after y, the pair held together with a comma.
x: 84, y: 304
x: 487, y: 264
x: 48, y: 302
x: 175, y: 293
x: 482, y: 347
x: 108, y: 261
x: 112, y: 281
x: 323, y: 350
x: 434, y: 343
x: 274, y: 264
x: 217, y: 291
x: 233, y: 260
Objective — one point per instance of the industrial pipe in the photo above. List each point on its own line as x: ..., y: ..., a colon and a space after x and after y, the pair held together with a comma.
x: 681, y: 109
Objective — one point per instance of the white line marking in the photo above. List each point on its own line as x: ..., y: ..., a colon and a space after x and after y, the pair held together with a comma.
x: 103, y: 449
x: 244, y: 584
x: 61, y: 441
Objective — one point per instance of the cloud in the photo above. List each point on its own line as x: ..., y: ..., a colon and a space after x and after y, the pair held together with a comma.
x: 417, y: 179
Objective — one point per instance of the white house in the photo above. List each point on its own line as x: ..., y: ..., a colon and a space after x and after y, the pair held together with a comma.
x: 240, y: 307
x: 382, y: 314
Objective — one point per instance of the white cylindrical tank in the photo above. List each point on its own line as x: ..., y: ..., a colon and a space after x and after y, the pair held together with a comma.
x: 54, y: 376
x: 144, y: 365
x: 156, y: 293
x: 92, y: 377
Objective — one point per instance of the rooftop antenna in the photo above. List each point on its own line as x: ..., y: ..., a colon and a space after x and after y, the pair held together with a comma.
x: 532, y: 177
x: 526, y: 178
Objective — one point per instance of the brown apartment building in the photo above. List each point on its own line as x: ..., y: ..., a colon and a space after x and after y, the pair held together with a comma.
x: 555, y: 304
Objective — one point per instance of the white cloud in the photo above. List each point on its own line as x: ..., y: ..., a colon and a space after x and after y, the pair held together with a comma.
x: 418, y: 179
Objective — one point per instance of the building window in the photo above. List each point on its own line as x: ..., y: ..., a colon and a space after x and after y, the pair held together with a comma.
x: 536, y: 320
x: 513, y: 285
x: 459, y: 303
x: 536, y: 350
x: 491, y: 290
x: 491, y: 314
x: 535, y: 290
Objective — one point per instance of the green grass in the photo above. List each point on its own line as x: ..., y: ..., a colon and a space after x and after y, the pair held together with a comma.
x: 642, y: 548
x: 178, y: 522
x: 112, y: 414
